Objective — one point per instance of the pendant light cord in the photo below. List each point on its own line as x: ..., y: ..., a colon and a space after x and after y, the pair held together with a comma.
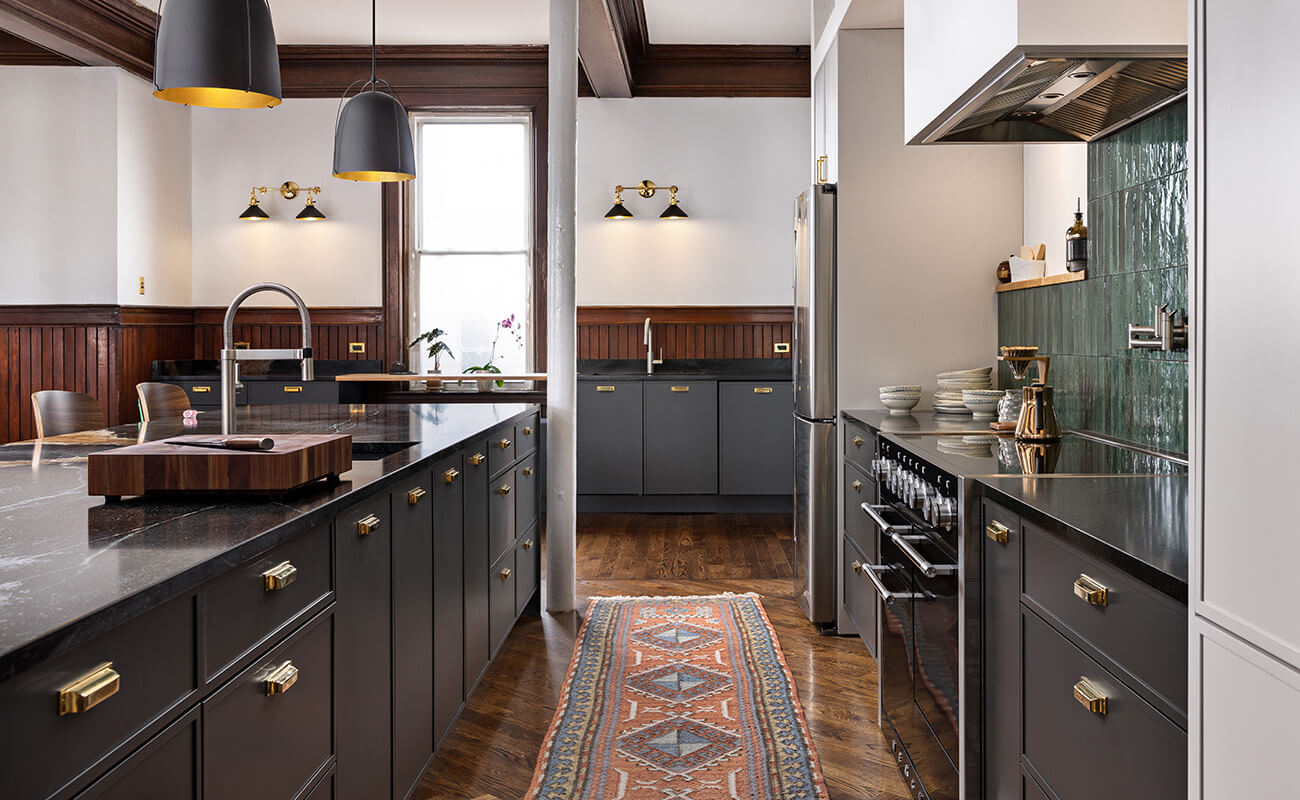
x: 373, y: 41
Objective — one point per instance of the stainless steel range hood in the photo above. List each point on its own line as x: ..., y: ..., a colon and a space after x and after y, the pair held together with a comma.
x: 1062, y: 97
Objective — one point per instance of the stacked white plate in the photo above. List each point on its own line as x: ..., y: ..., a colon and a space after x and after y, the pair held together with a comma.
x: 948, y: 398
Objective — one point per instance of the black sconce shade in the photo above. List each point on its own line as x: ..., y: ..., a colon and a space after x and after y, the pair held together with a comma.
x: 673, y: 211
x: 372, y: 140
x: 310, y: 213
x: 254, y: 213
x: 217, y: 53
x: 619, y: 211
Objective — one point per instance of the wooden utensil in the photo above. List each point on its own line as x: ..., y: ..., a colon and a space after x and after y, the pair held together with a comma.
x: 1040, y: 252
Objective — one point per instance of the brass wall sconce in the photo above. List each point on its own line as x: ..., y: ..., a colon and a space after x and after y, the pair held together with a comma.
x: 647, y: 189
x: 288, y: 190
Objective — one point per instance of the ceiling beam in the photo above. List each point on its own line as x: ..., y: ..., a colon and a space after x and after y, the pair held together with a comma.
x: 20, y: 52
x: 601, y: 50
x: 90, y: 32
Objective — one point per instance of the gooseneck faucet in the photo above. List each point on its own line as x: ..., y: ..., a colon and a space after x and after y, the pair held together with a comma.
x: 648, y: 341
x: 230, y: 357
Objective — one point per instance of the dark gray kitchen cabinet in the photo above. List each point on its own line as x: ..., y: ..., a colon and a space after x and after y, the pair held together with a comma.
x: 167, y: 768
x: 1001, y: 548
x: 501, y: 513
x: 502, y: 603
x: 277, y: 393
x: 412, y: 502
x: 363, y: 557
x: 448, y: 594
x: 478, y: 642
x: 681, y: 437
x: 610, y: 437
x: 756, y: 437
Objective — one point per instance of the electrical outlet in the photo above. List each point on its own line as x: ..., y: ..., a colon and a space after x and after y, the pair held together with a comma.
x: 781, y: 347
x: 141, y: 284
x: 357, y: 347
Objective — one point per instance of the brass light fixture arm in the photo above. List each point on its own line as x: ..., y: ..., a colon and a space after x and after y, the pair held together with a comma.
x: 252, y: 196
x: 289, y: 190
x: 645, y: 188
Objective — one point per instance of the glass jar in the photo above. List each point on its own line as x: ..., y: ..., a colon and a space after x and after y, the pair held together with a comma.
x: 1009, y: 406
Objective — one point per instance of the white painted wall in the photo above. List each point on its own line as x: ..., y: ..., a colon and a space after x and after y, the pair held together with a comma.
x: 58, y: 232
x: 153, y: 196
x: 334, y: 263
x: 922, y: 230
x: 739, y: 163
x: 1056, y: 177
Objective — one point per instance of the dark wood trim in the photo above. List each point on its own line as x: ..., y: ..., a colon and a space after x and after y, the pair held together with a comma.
x: 60, y: 315
x: 285, y: 315
x: 686, y: 315
x: 628, y: 17
x: 92, y: 32
x: 129, y: 316
x: 18, y: 52
x: 673, y: 70
x: 396, y: 268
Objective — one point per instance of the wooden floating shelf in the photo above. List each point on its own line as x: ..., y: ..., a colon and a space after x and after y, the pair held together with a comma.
x: 383, y: 377
x: 1048, y: 280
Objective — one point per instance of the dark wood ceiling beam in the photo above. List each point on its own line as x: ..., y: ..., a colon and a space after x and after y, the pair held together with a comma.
x: 601, y: 50
x: 16, y: 52
x: 91, y: 32
x: 676, y: 70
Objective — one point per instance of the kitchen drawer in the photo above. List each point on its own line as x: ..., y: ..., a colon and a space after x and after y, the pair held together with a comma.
x: 41, y: 750
x: 525, y: 494
x: 501, y: 513
x: 526, y: 434
x: 207, y: 394
x: 501, y: 450
x: 1140, y: 629
x: 1132, y: 752
x: 525, y: 568
x: 860, y: 598
x: 267, y: 745
x: 247, y: 605
x: 166, y: 768
x: 859, y: 444
x: 286, y: 393
x: 501, y: 603
x: 858, y: 527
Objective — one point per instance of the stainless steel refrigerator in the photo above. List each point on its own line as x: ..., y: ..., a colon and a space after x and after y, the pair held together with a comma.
x: 815, y: 403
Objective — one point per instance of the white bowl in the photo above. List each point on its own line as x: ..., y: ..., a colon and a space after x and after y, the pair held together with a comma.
x: 996, y: 394
x: 981, y: 407
x: 903, y: 387
x: 902, y: 405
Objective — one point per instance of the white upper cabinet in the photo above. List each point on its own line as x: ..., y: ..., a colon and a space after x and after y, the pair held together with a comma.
x: 967, y: 59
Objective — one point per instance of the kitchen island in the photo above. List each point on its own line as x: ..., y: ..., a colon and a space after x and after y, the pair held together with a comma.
x: 233, y: 626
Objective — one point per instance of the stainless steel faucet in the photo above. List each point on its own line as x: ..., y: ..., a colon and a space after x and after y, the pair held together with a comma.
x: 648, y: 341
x: 230, y: 357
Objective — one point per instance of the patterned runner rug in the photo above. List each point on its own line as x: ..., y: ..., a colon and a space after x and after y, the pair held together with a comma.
x: 678, y: 697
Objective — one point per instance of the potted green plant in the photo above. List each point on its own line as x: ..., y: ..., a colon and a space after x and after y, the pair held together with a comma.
x: 435, y: 347
x: 516, y: 330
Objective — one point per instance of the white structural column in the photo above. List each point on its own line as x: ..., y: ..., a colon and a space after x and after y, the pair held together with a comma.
x: 562, y: 311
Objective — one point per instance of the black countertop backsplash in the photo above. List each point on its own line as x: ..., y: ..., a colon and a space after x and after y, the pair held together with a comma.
x: 72, y: 566
x: 282, y: 369
x: 742, y: 369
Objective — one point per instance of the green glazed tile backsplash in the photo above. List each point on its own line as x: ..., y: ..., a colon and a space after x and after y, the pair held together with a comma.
x: 1137, y: 229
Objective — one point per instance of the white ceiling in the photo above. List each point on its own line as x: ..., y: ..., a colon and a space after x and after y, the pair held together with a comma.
x: 874, y: 14
x: 728, y: 21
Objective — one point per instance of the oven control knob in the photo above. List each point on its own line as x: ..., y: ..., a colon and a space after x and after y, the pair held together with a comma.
x: 922, y: 494
x: 945, y: 512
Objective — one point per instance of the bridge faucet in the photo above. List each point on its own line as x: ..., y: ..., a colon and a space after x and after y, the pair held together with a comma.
x: 230, y: 357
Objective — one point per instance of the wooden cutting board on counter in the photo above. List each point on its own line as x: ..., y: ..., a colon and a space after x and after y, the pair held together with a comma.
x: 162, y: 468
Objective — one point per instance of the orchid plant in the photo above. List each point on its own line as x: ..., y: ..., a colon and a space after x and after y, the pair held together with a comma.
x: 516, y: 329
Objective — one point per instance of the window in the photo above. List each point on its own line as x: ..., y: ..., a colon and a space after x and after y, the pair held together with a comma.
x: 473, y: 252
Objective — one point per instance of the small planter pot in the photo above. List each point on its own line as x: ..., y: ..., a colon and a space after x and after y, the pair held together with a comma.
x: 486, y: 384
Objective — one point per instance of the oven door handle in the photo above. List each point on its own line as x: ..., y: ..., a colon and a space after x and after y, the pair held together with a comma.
x: 885, y: 525
x: 873, y: 575
x: 922, y: 563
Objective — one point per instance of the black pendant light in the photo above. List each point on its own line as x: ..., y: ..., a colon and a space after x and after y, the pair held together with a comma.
x: 372, y: 136
x: 217, y: 53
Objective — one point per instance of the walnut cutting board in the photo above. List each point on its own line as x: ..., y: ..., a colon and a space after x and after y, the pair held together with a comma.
x: 297, y: 459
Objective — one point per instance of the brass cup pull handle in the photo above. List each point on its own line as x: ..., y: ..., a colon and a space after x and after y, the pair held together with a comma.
x: 1090, y: 697
x: 528, y: 545
x: 293, y: 389
x: 528, y: 431
x: 450, y: 475
x: 506, y: 573
x: 200, y: 389
x: 998, y: 532
x: 477, y: 458
x: 281, y: 680
x: 415, y: 495
x: 367, y: 525
x: 762, y: 390
x: 605, y: 388
x: 279, y: 576
x: 504, y: 444
x: 504, y: 490
x: 857, y: 567
x: 681, y: 388
x: 857, y: 441
x: 528, y: 471
x: 89, y: 690
x: 1090, y: 591
x: 857, y: 486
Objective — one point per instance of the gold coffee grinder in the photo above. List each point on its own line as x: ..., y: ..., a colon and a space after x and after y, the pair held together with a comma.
x: 1037, y: 421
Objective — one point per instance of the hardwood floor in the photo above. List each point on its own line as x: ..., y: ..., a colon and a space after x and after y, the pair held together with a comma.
x: 492, y: 748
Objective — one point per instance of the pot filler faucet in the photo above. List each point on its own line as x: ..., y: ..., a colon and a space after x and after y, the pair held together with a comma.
x: 230, y: 357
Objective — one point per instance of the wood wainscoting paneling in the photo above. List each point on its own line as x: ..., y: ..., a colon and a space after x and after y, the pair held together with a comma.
x: 332, y: 331
x: 685, y: 331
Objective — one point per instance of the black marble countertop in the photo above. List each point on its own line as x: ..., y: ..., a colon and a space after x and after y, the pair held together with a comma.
x: 738, y: 369
x: 277, y: 370
x: 918, y: 422
x: 72, y: 566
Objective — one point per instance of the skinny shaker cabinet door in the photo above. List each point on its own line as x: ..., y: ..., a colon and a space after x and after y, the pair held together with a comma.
x: 756, y: 436
x: 413, y: 628
x: 609, y: 437
x: 167, y: 768
x: 681, y: 437
x: 448, y: 594
x: 478, y: 642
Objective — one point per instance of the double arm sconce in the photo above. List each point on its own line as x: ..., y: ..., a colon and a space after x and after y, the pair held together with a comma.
x: 288, y: 190
x: 645, y: 189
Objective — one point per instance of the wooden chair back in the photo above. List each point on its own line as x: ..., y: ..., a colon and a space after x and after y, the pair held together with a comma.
x: 161, y: 401
x: 58, y: 412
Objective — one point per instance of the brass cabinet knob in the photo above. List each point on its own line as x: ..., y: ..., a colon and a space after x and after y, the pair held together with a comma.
x: 415, y: 495
x: 857, y: 567
x: 504, y: 444
x: 1090, y: 591
x: 504, y: 490
x: 1090, y: 697
x: 505, y: 574
x: 528, y: 431
x: 89, y: 690
x: 279, y: 576
x: 292, y: 389
x: 367, y: 525
x: 857, y: 441
x: 450, y: 475
x: 528, y: 471
x: 857, y: 486
x: 528, y: 545
x: 282, y: 679
x: 998, y: 532
x: 477, y: 458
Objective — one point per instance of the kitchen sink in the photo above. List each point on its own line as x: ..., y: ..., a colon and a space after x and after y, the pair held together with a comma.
x: 374, y: 451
